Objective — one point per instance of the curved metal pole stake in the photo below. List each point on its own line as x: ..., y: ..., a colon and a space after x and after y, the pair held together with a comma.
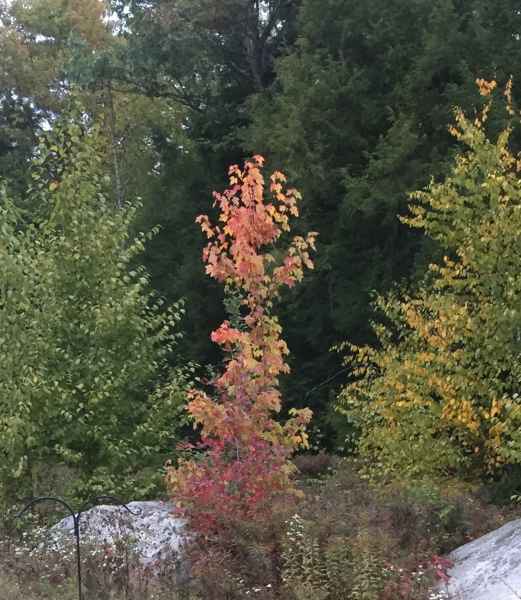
x: 76, y: 521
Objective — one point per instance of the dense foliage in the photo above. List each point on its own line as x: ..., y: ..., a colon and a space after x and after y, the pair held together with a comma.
x: 351, y: 99
x: 120, y: 116
x: 357, y: 117
x: 245, y: 471
x: 440, y: 394
x: 87, y: 399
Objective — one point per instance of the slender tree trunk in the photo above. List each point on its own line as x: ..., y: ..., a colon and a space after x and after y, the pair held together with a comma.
x: 116, y: 176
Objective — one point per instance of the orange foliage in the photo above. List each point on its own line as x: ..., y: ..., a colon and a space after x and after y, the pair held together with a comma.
x: 245, y: 468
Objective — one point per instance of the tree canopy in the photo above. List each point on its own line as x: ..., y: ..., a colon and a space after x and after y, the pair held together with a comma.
x: 350, y: 99
x: 87, y: 395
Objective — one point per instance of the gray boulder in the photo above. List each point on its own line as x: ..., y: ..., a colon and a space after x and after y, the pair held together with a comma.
x: 152, y: 531
x: 488, y: 568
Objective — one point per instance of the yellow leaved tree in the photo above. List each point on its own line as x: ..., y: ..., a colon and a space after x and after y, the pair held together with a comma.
x: 440, y: 394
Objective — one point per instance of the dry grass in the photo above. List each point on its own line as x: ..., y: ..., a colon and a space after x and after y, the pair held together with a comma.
x: 350, y: 540
x: 34, y: 567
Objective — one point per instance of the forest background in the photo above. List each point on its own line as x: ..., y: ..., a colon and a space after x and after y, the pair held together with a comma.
x: 397, y: 122
x: 351, y: 100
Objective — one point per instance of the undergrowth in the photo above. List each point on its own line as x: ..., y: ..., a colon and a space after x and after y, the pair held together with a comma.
x: 349, y: 539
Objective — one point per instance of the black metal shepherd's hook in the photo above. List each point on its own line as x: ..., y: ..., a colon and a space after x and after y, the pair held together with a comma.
x: 76, y: 520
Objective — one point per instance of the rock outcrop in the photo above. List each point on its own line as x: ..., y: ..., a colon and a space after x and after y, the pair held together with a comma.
x: 488, y: 568
x: 150, y: 529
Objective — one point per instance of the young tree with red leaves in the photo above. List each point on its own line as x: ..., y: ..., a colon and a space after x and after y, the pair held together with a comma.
x: 245, y: 470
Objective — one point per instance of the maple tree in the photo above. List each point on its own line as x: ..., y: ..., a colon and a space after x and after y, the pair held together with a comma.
x: 245, y: 466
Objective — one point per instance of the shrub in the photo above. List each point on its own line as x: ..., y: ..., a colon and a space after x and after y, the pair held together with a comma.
x: 88, y: 402
x: 349, y: 538
x: 440, y: 394
x: 314, y: 465
x: 243, y: 472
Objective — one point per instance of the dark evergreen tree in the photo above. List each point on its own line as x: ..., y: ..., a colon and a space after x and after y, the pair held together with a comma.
x: 358, y: 117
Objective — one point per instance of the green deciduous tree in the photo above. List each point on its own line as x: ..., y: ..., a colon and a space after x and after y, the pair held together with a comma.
x: 84, y: 343
x: 207, y: 57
